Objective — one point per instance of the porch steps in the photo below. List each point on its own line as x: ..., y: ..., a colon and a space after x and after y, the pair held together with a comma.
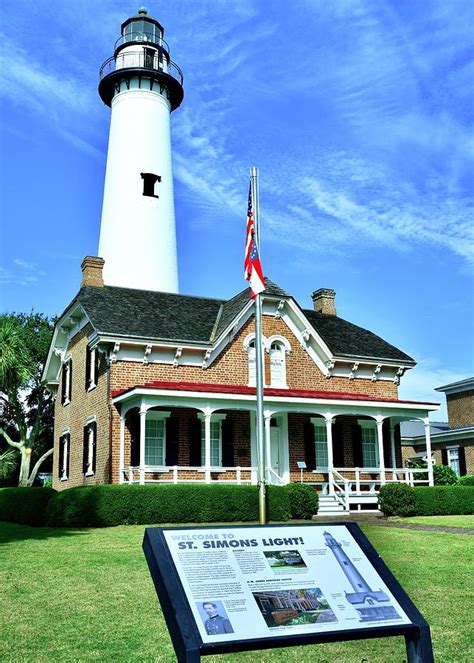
x: 329, y: 506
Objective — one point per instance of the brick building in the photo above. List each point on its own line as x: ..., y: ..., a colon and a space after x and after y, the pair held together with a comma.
x: 452, y: 442
x: 159, y: 387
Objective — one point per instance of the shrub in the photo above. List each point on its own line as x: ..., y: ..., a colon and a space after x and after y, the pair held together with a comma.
x: 26, y: 506
x: 443, y: 475
x: 466, y: 480
x: 304, y: 500
x: 444, y: 500
x: 397, y: 499
x: 109, y: 505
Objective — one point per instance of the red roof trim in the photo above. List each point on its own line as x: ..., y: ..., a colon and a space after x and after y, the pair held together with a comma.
x: 251, y: 391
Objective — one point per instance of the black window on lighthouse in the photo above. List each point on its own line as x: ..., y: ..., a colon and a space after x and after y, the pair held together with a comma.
x: 149, y: 181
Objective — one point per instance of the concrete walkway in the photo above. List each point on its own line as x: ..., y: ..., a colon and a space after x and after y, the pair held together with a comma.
x: 381, y: 521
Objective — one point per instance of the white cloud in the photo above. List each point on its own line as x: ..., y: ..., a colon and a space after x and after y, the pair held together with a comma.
x: 21, y: 273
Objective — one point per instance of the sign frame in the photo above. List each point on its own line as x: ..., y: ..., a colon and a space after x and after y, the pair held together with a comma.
x: 185, y: 636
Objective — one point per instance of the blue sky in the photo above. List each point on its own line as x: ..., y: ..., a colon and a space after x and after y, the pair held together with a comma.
x: 358, y: 115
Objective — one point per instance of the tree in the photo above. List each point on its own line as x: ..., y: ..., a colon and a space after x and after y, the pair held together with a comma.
x: 26, y: 407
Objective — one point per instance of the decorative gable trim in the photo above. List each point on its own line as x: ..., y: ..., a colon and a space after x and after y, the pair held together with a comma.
x: 71, y: 323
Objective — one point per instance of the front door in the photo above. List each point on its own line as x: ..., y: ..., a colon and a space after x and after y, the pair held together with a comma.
x: 275, y: 450
x: 276, y: 461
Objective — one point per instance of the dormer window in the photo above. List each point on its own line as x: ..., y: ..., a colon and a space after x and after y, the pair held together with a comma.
x: 66, y: 382
x: 92, y: 366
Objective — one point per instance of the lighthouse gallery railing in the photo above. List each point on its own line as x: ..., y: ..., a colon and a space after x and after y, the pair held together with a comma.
x: 140, y: 60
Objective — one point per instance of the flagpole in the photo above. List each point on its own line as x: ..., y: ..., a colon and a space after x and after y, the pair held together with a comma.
x: 259, y: 366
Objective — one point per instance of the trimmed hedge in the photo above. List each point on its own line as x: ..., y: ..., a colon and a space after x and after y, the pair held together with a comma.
x: 466, y: 480
x: 109, y: 505
x: 402, y: 500
x: 304, y: 500
x: 443, y: 475
x: 444, y: 500
x: 25, y: 506
x: 397, y: 499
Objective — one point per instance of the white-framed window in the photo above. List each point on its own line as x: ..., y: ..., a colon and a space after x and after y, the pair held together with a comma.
x: 89, y: 448
x: 278, y: 347
x: 216, y: 439
x: 64, y: 450
x: 370, y: 447
x: 155, y: 437
x: 320, y: 443
x: 252, y: 360
x: 453, y: 459
x: 277, y: 365
x: 66, y: 391
x: 92, y: 366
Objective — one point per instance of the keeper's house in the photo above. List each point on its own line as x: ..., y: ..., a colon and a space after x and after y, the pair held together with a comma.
x: 160, y: 387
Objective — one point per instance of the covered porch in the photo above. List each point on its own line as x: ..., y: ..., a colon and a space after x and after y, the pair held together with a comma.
x: 345, y: 445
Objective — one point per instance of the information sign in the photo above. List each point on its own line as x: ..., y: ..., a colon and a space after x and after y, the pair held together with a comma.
x: 236, y: 588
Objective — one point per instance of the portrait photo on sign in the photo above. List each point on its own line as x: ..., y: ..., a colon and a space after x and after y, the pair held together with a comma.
x: 284, y: 559
x: 294, y: 607
x: 214, y: 617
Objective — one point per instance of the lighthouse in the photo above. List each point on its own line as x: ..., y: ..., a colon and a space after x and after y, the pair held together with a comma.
x: 371, y: 605
x: 142, y: 86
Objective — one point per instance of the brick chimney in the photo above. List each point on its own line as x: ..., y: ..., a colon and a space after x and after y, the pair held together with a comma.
x: 324, y: 301
x: 92, y: 267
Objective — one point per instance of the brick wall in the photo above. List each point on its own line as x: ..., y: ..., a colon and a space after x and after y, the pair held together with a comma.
x: 231, y: 367
x: 460, y: 409
x: 74, y: 416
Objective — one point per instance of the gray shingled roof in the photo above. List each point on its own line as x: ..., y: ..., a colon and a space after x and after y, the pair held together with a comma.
x: 149, y: 314
x: 152, y: 315
x: 416, y: 428
x: 345, y: 339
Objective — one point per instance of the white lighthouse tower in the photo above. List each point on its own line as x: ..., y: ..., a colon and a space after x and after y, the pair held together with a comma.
x: 142, y: 86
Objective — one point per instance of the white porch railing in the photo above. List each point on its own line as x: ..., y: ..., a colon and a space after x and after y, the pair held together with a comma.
x: 171, y: 474
x: 361, y: 485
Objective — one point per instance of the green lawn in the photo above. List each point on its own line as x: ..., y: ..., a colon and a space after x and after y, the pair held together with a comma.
x: 86, y: 595
x: 466, y: 522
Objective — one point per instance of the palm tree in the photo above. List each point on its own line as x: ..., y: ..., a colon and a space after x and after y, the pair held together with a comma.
x: 17, y: 371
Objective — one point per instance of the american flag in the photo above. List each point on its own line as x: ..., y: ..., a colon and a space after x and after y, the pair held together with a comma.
x: 252, y: 267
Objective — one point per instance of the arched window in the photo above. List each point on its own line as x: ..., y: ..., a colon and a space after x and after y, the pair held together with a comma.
x: 250, y: 347
x: 279, y: 347
x: 277, y: 365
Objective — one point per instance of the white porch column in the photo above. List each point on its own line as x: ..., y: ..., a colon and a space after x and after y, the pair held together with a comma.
x: 142, y: 443
x: 393, y: 455
x: 379, y: 421
x: 329, y: 423
x: 207, y: 447
x: 429, y: 459
x: 122, y: 449
x: 268, y: 423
